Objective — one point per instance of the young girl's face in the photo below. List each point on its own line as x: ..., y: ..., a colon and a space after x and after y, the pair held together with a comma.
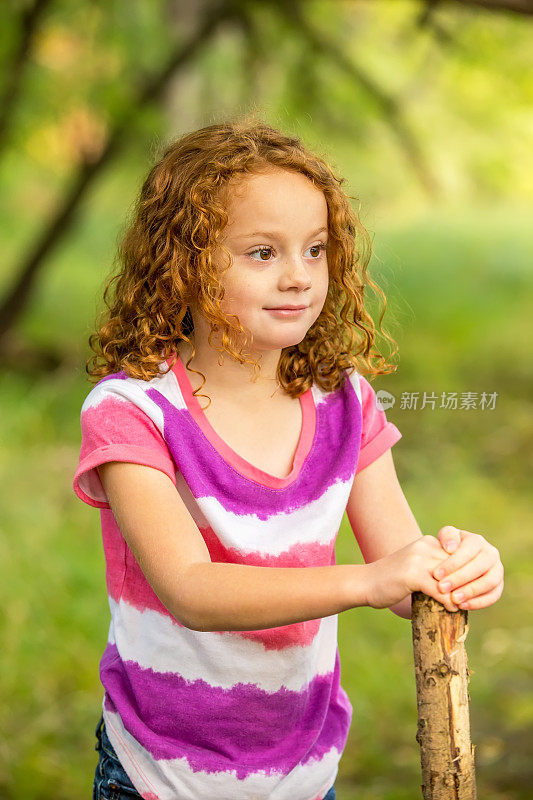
x: 277, y: 233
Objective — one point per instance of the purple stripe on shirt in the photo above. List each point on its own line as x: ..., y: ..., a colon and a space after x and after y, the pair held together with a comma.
x: 213, y: 727
x: 332, y: 458
x: 120, y: 376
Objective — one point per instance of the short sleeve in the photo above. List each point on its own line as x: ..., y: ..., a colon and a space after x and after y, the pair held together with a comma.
x: 113, y: 428
x: 378, y: 433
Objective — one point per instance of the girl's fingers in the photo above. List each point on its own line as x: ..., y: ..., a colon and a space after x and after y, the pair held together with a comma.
x: 474, y: 569
x: 467, y: 550
x: 449, y: 538
x: 430, y: 587
x: 445, y: 599
x: 486, y: 583
x: 483, y: 600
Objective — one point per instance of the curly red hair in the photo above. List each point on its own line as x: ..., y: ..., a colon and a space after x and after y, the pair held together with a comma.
x: 167, y: 261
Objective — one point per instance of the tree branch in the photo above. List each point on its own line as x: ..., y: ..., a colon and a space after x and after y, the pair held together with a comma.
x: 150, y: 91
x: 386, y: 104
x: 427, y: 19
x: 513, y: 6
x: 14, y: 72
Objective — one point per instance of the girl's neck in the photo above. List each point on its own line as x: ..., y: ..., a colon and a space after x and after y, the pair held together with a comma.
x: 232, y: 379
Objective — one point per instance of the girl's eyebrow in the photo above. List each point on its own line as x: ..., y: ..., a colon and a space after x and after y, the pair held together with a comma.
x: 273, y: 234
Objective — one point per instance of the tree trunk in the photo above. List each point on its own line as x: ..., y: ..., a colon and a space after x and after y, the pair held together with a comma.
x: 149, y: 90
x: 441, y: 671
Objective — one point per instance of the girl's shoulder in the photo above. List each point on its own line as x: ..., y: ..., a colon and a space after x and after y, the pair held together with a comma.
x: 355, y: 385
x: 343, y: 402
x: 122, y: 419
x: 120, y: 386
x: 364, y: 390
x: 352, y: 380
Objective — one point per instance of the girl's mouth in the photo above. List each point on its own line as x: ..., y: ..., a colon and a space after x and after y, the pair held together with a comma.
x: 287, y: 311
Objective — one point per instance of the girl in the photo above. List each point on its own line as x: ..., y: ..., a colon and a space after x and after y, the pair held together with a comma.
x: 244, y: 273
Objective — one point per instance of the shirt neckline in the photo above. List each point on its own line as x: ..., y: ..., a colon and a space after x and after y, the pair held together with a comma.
x: 244, y: 467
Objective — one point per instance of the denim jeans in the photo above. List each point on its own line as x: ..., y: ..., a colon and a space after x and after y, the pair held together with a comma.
x: 110, y: 779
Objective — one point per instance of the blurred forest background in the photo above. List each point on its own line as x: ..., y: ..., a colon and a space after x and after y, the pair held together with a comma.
x: 426, y: 109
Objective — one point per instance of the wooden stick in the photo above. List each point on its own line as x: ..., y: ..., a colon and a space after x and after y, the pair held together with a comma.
x: 441, y: 670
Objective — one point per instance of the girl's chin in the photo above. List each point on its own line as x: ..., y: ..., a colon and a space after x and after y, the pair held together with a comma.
x: 277, y: 343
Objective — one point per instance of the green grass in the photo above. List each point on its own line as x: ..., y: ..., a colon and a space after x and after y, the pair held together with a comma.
x: 459, y: 297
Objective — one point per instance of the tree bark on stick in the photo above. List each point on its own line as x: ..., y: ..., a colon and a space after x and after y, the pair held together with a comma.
x: 441, y: 671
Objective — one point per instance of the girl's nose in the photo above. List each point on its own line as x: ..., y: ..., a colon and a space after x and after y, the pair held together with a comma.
x: 295, y: 273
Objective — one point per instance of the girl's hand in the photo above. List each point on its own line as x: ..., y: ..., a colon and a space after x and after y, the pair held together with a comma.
x: 410, y: 569
x: 473, y: 575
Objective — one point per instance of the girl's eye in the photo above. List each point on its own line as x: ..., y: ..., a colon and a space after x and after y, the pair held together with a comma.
x: 265, y: 249
x: 318, y: 248
x: 321, y: 247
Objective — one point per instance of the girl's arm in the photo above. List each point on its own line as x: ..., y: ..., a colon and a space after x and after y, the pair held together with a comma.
x: 383, y: 523
x: 380, y: 516
x: 205, y: 595
x: 210, y: 596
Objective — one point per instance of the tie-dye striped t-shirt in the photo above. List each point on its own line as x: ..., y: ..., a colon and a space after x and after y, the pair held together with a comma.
x: 232, y: 715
